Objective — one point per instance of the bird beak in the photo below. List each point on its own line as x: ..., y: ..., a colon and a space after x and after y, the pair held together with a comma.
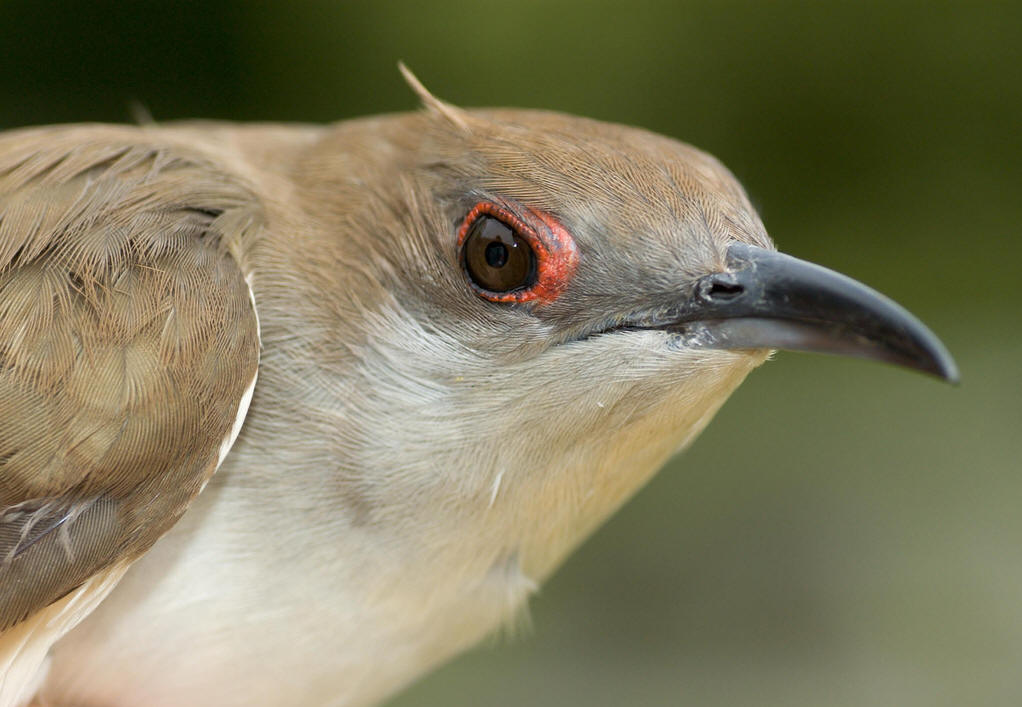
x: 768, y: 300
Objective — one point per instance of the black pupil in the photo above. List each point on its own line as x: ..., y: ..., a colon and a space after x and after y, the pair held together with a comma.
x: 496, y: 257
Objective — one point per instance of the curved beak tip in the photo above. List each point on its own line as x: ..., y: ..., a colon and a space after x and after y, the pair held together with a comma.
x: 944, y: 367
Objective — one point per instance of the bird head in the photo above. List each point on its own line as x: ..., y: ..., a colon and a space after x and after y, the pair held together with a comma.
x: 547, y: 309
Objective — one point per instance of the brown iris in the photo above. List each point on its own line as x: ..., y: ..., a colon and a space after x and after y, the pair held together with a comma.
x: 497, y: 258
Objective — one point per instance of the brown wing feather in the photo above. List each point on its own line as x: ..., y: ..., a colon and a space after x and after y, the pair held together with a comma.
x: 127, y: 340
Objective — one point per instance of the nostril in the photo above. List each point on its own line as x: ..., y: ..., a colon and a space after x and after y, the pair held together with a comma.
x: 720, y: 287
x: 725, y: 290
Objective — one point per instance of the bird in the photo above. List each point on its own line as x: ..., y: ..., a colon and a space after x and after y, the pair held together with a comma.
x: 292, y: 414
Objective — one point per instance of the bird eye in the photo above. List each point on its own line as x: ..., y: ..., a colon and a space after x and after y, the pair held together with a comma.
x: 513, y: 253
x: 496, y: 258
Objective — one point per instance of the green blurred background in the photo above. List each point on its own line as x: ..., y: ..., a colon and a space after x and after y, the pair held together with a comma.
x: 844, y: 533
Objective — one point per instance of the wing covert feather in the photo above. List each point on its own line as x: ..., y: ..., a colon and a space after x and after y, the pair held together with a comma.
x: 128, y: 338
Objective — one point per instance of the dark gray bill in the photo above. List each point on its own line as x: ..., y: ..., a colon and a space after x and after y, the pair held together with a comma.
x: 768, y: 300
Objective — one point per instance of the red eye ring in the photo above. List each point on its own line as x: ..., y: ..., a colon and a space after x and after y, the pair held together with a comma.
x: 554, y: 248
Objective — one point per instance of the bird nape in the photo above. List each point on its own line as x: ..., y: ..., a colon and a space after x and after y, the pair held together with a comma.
x: 476, y: 333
